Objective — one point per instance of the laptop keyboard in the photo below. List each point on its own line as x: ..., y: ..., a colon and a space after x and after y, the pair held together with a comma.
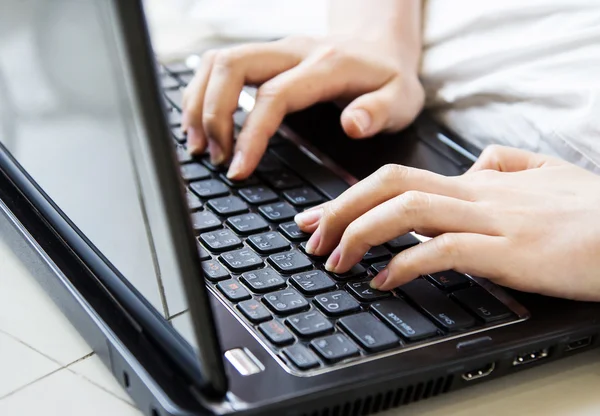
x: 253, y: 256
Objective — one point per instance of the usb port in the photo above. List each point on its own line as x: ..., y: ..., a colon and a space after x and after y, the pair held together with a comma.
x: 481, y: 372
x: 579, y: 344
x: 530, y: 357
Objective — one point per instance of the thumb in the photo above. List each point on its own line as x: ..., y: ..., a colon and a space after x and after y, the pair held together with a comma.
x: 510, y: 159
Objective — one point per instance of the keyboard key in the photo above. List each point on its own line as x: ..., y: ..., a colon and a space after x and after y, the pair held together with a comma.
x: 241, y: 260
x: 334, y: 348
x: 185, y: 78
x: 175, y: 97
x: 269, y: 242
x: 194, y: 172
x: 369, y: 332
x: 258, y: 195
x: 227, y: 205
x: 377, y: 254
x: 205, y: 221
x: 174, y: 117
x: 482, y: 303
x: 282, y: 179
x: 364, y: 293
x: 301, y: 357
x: 278, y: 211
x: 252, y: 180
x: 178, y: 134
x: 213, y: 270
x: 210, y: 188
x: 215, y: 168
x: 276, y: 333
x: 202, y: 253
x: 233, y: 290
x: 377, y: 267
x: 292, y: 232
x: 449, y: 280
x: 302, y: 247
x: 193, y: 201
x: 405, y: 320
x: 286, y: 301
x: 290, y: 262
x: 337, y: 303
x: 357, y: 271
x: 263, y: 280
x: 437, y: 305
x: 220, y: 240
x: 268, y: 163
x: 182, y: 155
x: 247, y: 223
x: 254, y: 311
x: 167, y: 82
x: 313, y: 282
x: 302, y: 196
x: 178, y: 68
x: 310, y: 324
x: 402, y: 243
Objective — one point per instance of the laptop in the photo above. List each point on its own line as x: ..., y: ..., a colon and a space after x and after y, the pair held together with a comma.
x: 195, y: 290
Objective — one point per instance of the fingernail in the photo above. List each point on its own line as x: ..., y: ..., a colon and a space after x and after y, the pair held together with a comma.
x: 236, y: 165
x: 361, y: 119
x: 334, y: 259
x: 313, y: 242
x: 308, y: 218
x: 216, y: 154
x: 380, y: 279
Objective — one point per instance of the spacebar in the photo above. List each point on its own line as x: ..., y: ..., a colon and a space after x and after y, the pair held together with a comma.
x: 317, y: 175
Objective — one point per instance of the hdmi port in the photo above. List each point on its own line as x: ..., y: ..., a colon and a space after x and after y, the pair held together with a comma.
x: 530, y: 357
x: 579, y: 344
x: 479, y: 372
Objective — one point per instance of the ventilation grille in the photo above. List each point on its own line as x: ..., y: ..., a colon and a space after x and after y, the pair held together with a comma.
x: 389, y: 399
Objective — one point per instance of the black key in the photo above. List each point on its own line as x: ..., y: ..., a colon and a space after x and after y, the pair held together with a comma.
x: 286, y: 301
x: 252, y: 180
x: 290, y: 262
x: 233, y: 290
x: 228, y: 205
x: 263, y: 280
x: 194, y: 172
x: 204, y: 255
x: 337, y: 303
x: 377, y: 254
x: 302, y: 247
x: 268, y: 163
x: 278, y: 211
x: 241, y: 260
x: 178, y: 68
x: 357, y: 271
x: 213, y: 270
x: 313, y: 282
x: 310, y: 324
x: 369, y: 332
x: 205, y: 221
x: 292, y: 232
x: 193, y: 201
x: 482, y: 303
x: 364, y: 293
x: 438, y: 306
x: 174, y: 118
x: 269, y: 242
x: 323, y: 179
x: 221, y: 240
x: 449, y: 280
x: 210, y: 188
x: 258, y: 194
x: 254, y: 311
x: 167, y: 82
x: 302, y: 196
x: 377, y: 267
x: 186, y: 78
x: 276, y: 333
x: 178, y: 134
x: 334, y: 348
x: 182, y: 155
x: 247, y: 223
x: 404, y: 319
x: 402, y: 243
x: 301, y: 357
x: 282, y: 179
x: 215, y: 168
x: 175, y: 97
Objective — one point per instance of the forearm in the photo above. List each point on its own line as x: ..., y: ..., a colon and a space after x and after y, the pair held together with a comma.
x: 397, y: 22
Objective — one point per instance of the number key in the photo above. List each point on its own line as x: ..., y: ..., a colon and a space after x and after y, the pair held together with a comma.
x: 285, y: 301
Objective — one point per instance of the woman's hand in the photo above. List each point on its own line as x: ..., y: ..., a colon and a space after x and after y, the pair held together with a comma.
x: 381, y: 85
x: 520, y: 219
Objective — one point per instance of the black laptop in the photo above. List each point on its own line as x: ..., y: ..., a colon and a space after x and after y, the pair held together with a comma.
x: 195, y: 290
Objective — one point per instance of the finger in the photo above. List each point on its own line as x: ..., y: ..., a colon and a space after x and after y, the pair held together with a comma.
x: 388, y: 182
x: 510, y: 159
x: 308, y: 220
x: 474, y: 254
x: 426, y: 214
x: 232, y: 69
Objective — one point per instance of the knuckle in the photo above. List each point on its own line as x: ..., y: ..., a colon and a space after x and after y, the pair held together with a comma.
x: 447, y: 245
x: 353, y: 235
x: 226, y: 59
x: 331, y: 214
x: 210, y: 120
x: 413, y: 202
x: 391, y: 172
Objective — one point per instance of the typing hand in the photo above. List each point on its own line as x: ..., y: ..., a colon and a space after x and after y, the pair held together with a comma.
x: 293, y: 74
x: 523, y: 220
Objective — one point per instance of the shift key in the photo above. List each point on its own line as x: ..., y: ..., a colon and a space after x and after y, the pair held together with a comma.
x: 445, y: 312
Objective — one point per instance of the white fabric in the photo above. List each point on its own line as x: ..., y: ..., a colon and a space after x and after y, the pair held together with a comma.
x: 523, y: 73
